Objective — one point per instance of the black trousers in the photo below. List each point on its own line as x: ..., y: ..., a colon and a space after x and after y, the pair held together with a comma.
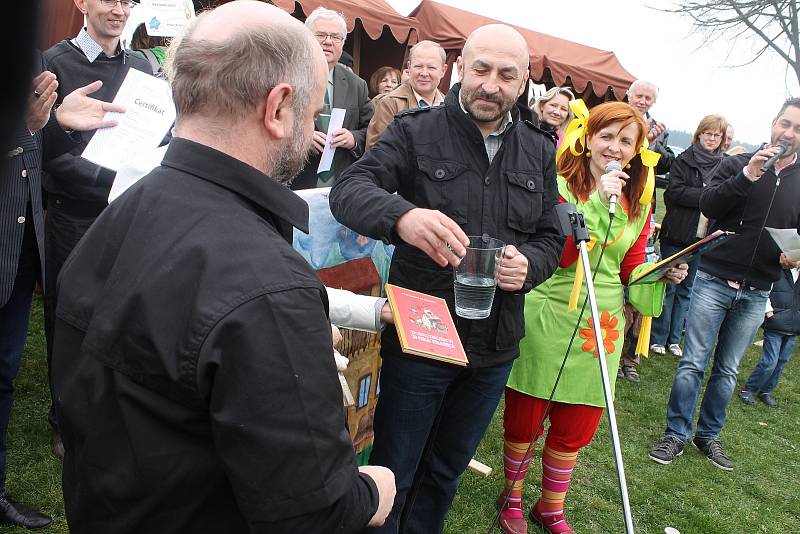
x: 66, y: 222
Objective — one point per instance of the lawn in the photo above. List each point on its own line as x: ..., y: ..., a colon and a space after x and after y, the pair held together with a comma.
x: 762, y: 494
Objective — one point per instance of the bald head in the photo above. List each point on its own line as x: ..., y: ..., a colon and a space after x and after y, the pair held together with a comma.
x: 500, y: 39
x: 230, y: 19
x: 493, y: 68
x: 230, y: 57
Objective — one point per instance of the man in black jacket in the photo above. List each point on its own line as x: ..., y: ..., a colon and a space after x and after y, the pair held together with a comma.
x: 467, y: 167
x: 732, y: 285
x: 192, y: 367
x: 642, y: 95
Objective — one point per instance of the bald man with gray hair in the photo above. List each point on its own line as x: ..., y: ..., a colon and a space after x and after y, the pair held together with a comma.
x: 192, y: 369
x: 467, y: 167
x: 641, y: 96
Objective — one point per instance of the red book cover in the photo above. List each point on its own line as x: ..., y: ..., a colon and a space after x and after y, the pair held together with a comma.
x: 425, y: 326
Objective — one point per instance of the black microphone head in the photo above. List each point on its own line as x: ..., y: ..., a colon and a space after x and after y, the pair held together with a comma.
x: 782, y: 147
x: 613, y: 165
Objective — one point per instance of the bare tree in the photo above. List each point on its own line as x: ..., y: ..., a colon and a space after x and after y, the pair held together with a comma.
x: 772, y: 23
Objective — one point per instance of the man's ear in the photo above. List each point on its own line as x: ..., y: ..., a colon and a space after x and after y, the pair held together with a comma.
x: 278, y: 112
x: 460, y: 68
x: 81, y: 5
x: 524, y: 85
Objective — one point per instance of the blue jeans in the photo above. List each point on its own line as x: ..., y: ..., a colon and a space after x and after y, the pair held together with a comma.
x: 731, y: 317
x: 668, y: 327
x: 428, y: 423
x: 14, y: 316
x: 777, y: 351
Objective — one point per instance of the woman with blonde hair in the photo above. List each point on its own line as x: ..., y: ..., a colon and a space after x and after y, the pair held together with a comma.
x: 553, y: 110
x: 611, y: 132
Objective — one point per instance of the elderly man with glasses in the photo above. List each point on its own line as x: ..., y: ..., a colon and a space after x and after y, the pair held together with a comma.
x: 77, y: 190
x: 345, y: 90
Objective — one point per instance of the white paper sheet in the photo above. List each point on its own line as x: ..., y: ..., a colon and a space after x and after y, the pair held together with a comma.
x: 787, y: 240
x: 149, y: 113
x: 133, y: 170
x: 337, y: 119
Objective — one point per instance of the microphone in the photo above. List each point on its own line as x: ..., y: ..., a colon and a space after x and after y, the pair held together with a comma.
x: 612, y: 200
x: 782, y: 148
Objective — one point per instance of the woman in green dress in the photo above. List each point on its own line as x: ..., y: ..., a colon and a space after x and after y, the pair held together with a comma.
x: 611, y: 132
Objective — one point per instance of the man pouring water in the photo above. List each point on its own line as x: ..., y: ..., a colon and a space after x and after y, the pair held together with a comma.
x: 470, y: 167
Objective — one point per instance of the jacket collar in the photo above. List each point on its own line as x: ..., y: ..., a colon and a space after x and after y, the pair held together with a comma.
x: 234, y: 175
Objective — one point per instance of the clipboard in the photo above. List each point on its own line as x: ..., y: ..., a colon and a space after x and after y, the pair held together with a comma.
x: 686, y: 255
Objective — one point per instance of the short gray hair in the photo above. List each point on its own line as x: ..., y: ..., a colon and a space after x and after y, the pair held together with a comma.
x: 327, y: 14
x: 227, y: 79
x: 644, y: 84
x: 427, y: 44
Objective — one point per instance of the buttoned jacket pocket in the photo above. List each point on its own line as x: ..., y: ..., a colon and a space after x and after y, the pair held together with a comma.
x: 443, y: 185
x: 524, y: 200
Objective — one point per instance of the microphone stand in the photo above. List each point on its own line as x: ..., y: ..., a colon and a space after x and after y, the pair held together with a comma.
x: 581, y: 235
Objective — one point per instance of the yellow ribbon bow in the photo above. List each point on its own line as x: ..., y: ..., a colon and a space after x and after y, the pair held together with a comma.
x: 576, y: 131
x: 649, y: 160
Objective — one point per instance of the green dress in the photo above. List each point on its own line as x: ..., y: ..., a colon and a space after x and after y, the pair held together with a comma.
x: 549, y: 324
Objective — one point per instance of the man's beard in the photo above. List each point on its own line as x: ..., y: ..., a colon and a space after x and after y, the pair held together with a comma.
x: 294, y: 154
x: 469, y: 98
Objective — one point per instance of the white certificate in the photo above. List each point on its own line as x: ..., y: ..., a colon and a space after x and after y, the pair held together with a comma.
x: 787, y: 240
x: 149, y: 113
x: 337, y: 119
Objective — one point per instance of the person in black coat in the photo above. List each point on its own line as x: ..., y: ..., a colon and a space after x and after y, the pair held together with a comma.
x: 683, y: 224
x: 781, y: 327
x: 39, y: 138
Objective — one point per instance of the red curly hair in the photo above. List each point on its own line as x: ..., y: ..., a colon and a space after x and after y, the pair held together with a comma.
x: 575, y: 169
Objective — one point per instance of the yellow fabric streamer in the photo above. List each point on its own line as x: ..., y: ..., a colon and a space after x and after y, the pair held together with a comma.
x: 649, y: 160
x: 576, y: 131
x: 642, y: 347
x: 576, y: 285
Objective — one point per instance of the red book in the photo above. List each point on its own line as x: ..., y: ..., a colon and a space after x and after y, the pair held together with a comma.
x: 425, y: 326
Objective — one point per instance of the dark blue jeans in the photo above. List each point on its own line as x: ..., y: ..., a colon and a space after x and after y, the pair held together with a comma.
x: 668, y: 327
x: 725, y: 315
x: 428, y: 423
x: 14, y: 316
x: 777, y: 351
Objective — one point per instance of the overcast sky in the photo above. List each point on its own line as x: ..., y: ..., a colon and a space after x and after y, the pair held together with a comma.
x: 694, y: 79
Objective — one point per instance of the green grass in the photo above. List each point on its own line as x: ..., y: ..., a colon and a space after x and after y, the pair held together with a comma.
x: 759, y: 496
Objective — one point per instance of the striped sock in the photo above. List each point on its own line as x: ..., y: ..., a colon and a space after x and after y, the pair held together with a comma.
x: 514, y: 459
x: 557, y: 469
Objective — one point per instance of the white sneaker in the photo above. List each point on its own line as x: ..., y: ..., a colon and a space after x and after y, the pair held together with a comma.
x: 658, y: 349
x: 676, y: 350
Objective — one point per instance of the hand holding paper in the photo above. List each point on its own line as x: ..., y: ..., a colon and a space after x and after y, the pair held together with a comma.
x: 335, y: 124
x: 149, y: 114
x: 788, y: 241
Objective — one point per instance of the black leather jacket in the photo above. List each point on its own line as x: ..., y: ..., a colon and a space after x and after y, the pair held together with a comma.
x: 436, y: 158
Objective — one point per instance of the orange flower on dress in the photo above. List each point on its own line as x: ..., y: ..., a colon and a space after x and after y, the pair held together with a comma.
x: 608, y: 326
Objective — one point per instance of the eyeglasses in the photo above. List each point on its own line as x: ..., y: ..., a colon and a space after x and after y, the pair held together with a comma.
x: 322, y: 37
x: 125, y: 4
x: 712, y: 135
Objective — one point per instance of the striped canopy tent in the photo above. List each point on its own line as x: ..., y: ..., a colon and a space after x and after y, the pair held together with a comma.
x: 595, y: 74
x: 377, y: 34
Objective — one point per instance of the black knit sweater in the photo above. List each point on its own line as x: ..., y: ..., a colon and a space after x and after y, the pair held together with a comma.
x: 70, y: 175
